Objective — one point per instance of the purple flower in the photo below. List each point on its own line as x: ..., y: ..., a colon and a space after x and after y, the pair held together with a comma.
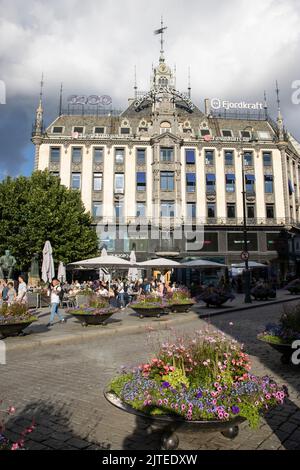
x: 199, y: 394
x: 165, y: 385
x: 235, y: 410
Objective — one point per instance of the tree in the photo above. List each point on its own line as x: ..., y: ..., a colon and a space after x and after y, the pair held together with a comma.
x: 39, y: 208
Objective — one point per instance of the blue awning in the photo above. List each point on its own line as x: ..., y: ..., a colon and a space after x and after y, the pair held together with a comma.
x: 250, y: 177
x: 210, y: 177
x: 230, y: 177
x: 269, y: 177
x: 141, y: 177
x: 191, y: 177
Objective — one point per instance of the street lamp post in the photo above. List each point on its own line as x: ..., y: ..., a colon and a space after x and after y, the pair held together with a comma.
x: 247, y: 286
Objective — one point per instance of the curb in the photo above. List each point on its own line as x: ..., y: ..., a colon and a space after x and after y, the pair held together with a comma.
x: 30, y: 343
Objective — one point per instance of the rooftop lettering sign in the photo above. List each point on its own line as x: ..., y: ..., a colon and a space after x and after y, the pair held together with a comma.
x: 93, y: 100
x: 217, y: 103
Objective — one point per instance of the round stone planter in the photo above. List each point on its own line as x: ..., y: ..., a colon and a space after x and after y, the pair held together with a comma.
x: 286, y: 350
x: 151, y: 312
x: 90, y: 319
x: 14, y: 329
x: 181, y: 308
x: 169, y: 424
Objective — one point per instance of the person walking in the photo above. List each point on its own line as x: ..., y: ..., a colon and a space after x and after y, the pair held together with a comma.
x: 22, y: 291
x: 55, y: 301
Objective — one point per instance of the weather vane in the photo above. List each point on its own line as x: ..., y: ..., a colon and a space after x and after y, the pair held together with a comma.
x: 161, y: 32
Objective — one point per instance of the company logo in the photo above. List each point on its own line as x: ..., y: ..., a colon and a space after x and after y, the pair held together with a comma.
x: 296, y: 355
x: 2, y: 353
x: 93, y: 100
x: 2, y: 92
x: 217, y: 103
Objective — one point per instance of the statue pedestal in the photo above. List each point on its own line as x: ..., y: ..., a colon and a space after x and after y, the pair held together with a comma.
x: 34, y: 281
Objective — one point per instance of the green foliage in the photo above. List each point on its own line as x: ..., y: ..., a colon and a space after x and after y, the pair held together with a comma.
x: 272, y: 339
x: 251, y: 412
x: 176, y: 379
x: 118, y: 382
x: 38, y: 208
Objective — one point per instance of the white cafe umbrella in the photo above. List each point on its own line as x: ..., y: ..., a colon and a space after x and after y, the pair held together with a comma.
x: 251, y: 264
x: 102, y: 261
x: 61, y: 273
x: 133, y: 272
x: 202, y: 263
x: 48, y: 264
x: 160, y: 263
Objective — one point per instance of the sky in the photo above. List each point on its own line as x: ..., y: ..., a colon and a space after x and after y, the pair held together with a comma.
x: 235, y: 49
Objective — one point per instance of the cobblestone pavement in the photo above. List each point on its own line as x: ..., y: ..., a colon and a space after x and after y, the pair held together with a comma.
x: 61, y: 387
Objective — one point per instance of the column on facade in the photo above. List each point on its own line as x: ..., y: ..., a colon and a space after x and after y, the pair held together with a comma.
x: 108, y: 182
x: 149, y: 187
x: 65, y: 165
x: 43, y: 157
x: 285, y: 181
x: 297, y: 190
x: 220, y: 183
x: 238, y: 182
x: 280, y: 186
x: 201, y: 185
x: 293, y: 198
x: 87, y: 177
x: 183, y: 182
x: 156, y: 180
x: 130, y: 183
x: 259, y: 185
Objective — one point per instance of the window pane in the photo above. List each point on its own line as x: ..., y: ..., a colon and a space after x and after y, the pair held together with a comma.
x: 97, y: 209
x: 210, y: 242
x: 270, y: 211
x: 272, y: 239
x: 141, y: 156
x: 76, y: 181
x: 141, y: 209
x: 230, y: 183
x: 76, y: 154
x: 167, y: 209
x: 236, y: 241
x: 141, y: 181
x: 167, y: 181
x: 166, y: 154
x: 119, y: 156
x: 231, y: 211
x: 99, y: 130
x: 119, y: 182
x: 98, y: 155
x: 248, y: 158
x: 190, y: 182
x: 250, y: 211
x: 228, y: 158
x: 97, y: 181
x: 191, y: 210
x: 267, y: 158
x: 209, y: 157
x: 54, y: 154
x: 125, y: 130
x: 268, y: 184
x: 211, y: 211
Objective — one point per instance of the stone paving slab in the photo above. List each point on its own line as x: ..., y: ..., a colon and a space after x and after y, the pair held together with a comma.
x: 123, y: 322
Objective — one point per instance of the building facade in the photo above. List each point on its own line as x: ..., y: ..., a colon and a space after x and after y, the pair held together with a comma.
x: 163, y: 171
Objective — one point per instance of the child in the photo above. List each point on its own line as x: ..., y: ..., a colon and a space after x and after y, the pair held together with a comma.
x: 11, y: 293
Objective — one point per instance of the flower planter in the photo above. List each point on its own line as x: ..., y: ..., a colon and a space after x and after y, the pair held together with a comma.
x: 181, y: 308
x: 286, y: 350
x: 82, y: 300
x: 90, y: 319
x: 150, y: 311
x: 14, y: 329
x: 263, y: 294
x: 169, y: 424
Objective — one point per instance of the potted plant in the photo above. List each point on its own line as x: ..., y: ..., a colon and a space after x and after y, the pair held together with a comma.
x: 215, y: 296
x: 96, y: 312
x: 83, y: 296
x: 180, y: 300
x: 282, y: 335
x: 294, y: 287
x: 15, y: 318
x: 263, y: 292
x: 150, y: 306
x: 199, y: 383
x: 5, y: 443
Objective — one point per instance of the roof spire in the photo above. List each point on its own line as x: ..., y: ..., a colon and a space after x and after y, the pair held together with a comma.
x: 279, y: 116
x: 135, y: 83
x: 38, y: 126
x: 161, y: 32
x: 265, y: 104
x: 189, y: 82
x: 41, y: 90
x: 60, y: 99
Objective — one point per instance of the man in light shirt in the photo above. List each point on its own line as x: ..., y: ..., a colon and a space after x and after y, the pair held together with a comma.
x: 55, y: 301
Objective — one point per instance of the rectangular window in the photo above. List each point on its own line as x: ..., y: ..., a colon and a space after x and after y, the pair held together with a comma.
x: 245, y: 134
x: 190, y: 157
x: 141, y: 181
x: 119, y: 156
x: 236, y: 241
x: 250, y: 183
x: 167, y: 180
x: 76, y: 181
x: 167, y: 209
x: 119, y: 183
x: 97, y: 182
x: 270, y: 211
x: 78, y: 129
x: 166, y: 154
x: 248, y: 158
x: 230, y: 183
x: 191, y: 182
x: 272, y: 239
x: 204, y: 132
x: 228, y: 157
x: 54, y: 154
x: 99, y: 130
x: 191, y: 210
x: 210, y: 242
x: 141, y: 156
x: 264, y: 135
x: 209, y: 157
x: 250, y: 211
x: 268, y: 183
x: 141, y: 209
x: 226, y: 133
x: 211, y: 210
x: 267, y: 158
x: 57, y: 130
x: 98, y: 155
x: 76, y: 155
x: 97, y: 210
x: 210, y: 183
x: 231, y: 211
x: 125, y: 130
x: 119, y: 210
x: 55, y: 173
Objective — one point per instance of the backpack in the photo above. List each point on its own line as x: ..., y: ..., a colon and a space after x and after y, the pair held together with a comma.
x: 61, y: 294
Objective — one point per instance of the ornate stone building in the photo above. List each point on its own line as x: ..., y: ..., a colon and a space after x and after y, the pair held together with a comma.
x: 164, y: 167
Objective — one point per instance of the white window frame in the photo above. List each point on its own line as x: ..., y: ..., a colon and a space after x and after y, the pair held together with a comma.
x: 58, y: 133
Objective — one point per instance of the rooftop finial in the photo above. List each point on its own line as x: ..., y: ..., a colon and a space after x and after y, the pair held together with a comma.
x: 135, y: 83
x: 189, y: 82
x: 279, y: 117
x: 60, y: 99
x: 41, y: 89
x: 161, y: 32
x: 278, y: 97
x: 265, y: 104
